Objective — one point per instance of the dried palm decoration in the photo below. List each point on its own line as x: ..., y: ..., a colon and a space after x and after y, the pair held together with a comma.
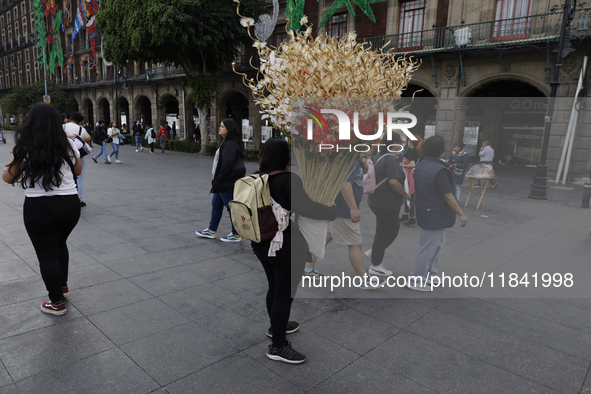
x: 304, y: 67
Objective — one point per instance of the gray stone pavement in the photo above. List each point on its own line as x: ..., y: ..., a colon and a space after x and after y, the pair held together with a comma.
x: 154, y: 309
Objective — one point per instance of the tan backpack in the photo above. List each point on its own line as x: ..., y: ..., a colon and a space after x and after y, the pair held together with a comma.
x: 251, y: 208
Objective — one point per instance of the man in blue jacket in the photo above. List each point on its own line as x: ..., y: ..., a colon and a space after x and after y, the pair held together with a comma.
x: 436, y: 209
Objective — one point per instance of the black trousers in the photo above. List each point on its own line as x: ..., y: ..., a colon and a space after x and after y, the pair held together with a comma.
x: 387, y: 227
x: 283, y: 274
x: 49, y: 221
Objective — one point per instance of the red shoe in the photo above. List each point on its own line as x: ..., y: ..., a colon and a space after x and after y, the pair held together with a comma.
x: 49, y: 307
x: 65, y: 291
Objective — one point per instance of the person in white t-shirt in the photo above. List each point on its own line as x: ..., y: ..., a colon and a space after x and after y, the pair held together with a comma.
x: 487, y: 154
x: 52, y: 207
x: 114, y: 132
x: 72, y: 129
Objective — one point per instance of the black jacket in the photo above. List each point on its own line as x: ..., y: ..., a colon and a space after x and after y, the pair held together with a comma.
x: 100, y: 134
x: 229, y: 169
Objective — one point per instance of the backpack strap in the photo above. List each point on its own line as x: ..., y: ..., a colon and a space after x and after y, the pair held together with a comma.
x: 276, y: 172
x: 375, y: 165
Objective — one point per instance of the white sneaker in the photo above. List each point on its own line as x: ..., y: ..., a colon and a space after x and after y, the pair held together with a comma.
x: 372, y: 283
x: 413, y: 285
x: 117, y: 161
x: 142, y: 149
x: 379, y: 271
x: 368, y: 255
x: 109, y: 158
x: 136, y: 150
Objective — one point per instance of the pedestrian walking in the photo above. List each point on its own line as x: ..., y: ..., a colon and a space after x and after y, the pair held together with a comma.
x: 3, y: 140
x: 436, y: 210
x: 138, y: 132
x: 151, y: 138
x: 228, y: 167
x: 345, y: 229
x: 173, y: 131
x: 413, y: 154
x: 458, y: 164
x: 101, y: 137
x: 52, y: 208
x: 385, y: 203
x: 162, y: 137
x: 114, y: 133
x: 283, y: 271
x: 487, y: 154
x: 73, y: 129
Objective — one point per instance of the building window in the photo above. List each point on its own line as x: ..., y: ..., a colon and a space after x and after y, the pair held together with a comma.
x: 25, y: 32
x: 23, y: 8
x: 514, y: 22
x: 16, y: 29
x: 27, y: 57
x: 15, y: 12
x: 3, y: 38
x: 337, y: 26
x: 36, y: 71
x: 1, y: 21
x: 279, y: 35
x: 28, y: 73
x: 8, y: 18
x: 412, y: 21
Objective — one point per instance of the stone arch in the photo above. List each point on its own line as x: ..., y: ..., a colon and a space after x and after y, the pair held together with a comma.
x: 103, y: 109
x: 423, y: 85
x: 87, y: 111
x: 503, y: 76
x: 142, y: 109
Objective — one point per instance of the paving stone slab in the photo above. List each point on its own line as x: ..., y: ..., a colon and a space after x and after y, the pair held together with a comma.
x: 218, y: 268
x: 17, y: 269
x: 530, y: 328
x: 248, y: 376
x: 106, y: 296
x: 173, y: 354
x: 399, y: 312
x: 28, y: 288
x: 107, y: 372
x: 169, y: 280
x: 548, y: 367
x: 422, y: 360
x: 199, y: 302
x: 26, y: 316
x: 135, y: 321
x: 484, y: 378
x: 51, y: 347
x: 362, y: 376
x: 352, y: 329
x: 5, y: 379
x: 90, y: 275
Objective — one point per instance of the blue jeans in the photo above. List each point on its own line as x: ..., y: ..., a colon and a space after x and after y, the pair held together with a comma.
x: 218, y: 202
x: 80, y: 180
x: 115, y: 150
x: 138, y: 142
x: 103, y: 151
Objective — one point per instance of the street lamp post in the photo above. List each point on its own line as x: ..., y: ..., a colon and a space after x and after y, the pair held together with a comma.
x: 38, y: 45
x: 539, y: 188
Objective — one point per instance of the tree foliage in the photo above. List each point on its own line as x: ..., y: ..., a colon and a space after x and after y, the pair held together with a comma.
x: 24, y: 97
x: 200, y: 35
x: 203, y: 87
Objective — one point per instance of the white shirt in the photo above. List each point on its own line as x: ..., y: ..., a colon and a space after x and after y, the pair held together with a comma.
x: 215, y: 163
x: 487, y: 153
x: 116, y: 137
x: 66, y: 188
x: 73, y: 128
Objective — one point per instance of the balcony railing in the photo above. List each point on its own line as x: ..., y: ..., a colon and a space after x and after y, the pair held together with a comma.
x: 503, y: 32
x: 164, y: 72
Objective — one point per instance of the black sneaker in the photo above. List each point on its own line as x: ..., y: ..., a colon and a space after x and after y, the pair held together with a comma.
x: 292, y: 327
x: 93, y: 159
x: 82, y: 204
x: 287, y: 354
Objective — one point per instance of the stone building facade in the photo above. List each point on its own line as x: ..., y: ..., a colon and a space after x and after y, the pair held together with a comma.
x: 486, y: 68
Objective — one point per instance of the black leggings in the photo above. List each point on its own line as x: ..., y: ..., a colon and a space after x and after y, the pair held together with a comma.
x: 283, y: 274
x: 387, y: 226
x: 49, y: 221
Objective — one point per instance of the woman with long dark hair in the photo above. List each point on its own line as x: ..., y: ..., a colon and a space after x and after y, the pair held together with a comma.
x: 284, y: 270
x: 45, y: 162
x: 228, y: 167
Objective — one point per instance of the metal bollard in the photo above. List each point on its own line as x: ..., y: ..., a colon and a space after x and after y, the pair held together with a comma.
x: 586, y: 195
